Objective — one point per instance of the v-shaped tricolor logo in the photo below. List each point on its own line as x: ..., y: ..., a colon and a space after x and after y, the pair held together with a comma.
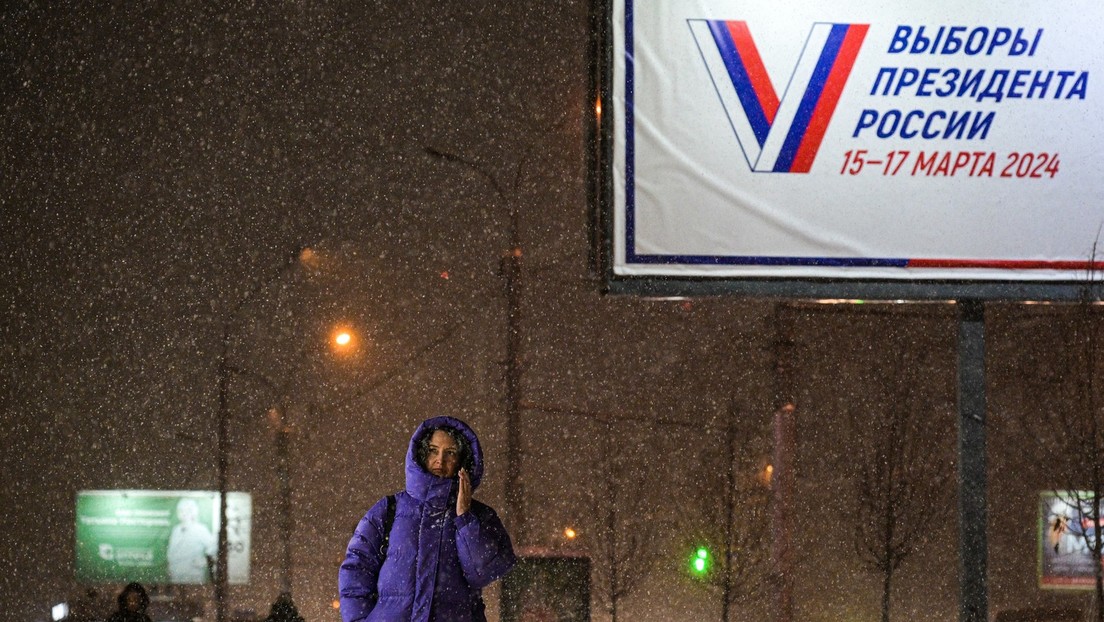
x: 778, y: 135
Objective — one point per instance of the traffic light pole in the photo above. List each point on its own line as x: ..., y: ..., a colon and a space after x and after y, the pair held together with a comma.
x: 730, y: 502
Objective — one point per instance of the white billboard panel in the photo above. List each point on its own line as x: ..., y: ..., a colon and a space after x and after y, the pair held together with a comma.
x: 857, y: 139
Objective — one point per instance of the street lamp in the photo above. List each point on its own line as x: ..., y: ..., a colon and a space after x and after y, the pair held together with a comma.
x: 510, y: 269
x: 343, y: 341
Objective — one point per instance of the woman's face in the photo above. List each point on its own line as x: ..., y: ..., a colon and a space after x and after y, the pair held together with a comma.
x: 443, y: 457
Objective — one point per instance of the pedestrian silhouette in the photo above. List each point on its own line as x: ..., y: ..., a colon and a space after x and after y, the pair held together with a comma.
x: 283, y: 610
x: 133, y: 602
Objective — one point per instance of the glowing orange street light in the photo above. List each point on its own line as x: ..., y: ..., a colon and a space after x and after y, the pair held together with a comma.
x: 343, y: 340
x: 570, y: 533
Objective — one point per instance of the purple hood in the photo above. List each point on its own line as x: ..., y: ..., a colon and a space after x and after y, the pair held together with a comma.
x: 427, y: 487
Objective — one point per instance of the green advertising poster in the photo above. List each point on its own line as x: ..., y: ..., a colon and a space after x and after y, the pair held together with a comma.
x: 159, y: 536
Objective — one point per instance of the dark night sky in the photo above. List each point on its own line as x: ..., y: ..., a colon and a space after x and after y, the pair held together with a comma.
x: 159, y: 164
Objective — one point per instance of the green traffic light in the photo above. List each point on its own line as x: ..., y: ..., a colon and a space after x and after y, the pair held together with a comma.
x: 700, y: 562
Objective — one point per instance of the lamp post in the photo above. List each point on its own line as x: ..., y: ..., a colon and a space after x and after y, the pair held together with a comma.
x: 283, y: 470
x: 783, y: 479
x: 307, y: 257
x: 510, y: 270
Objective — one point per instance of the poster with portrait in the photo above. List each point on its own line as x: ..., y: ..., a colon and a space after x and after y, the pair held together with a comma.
x: 1066, y: 528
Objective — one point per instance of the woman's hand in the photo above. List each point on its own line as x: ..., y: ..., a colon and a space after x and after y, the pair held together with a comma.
x: 463, y: 497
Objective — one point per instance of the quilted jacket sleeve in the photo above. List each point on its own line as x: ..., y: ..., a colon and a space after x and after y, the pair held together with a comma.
x: 483, y: 546
x: 359, y: 573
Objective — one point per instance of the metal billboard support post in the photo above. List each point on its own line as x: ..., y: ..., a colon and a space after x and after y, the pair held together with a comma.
x: 972, y: 519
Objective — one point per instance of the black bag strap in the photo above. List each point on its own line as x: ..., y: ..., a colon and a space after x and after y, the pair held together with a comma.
x: 388, y: 521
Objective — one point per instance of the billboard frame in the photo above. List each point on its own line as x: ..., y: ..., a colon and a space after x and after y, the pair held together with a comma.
x: 142, y: 524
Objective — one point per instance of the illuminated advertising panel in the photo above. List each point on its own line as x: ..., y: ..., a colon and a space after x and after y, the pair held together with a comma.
x: 1065, y: 531
x: 159, y: 536
x: 859, y: 139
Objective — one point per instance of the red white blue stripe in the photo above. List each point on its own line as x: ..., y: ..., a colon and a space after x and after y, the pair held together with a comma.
x: 778, y: 134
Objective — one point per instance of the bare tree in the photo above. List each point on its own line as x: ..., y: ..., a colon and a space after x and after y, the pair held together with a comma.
x: 901, y: 487
x: 1071, y: 429
x: 624, y: 549
x: 734, y: 523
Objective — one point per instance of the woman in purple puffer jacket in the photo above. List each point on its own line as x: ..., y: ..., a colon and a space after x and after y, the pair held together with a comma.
x: 444, y: 547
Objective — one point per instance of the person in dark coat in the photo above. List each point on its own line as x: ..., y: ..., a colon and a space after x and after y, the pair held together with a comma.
x: 283, y: 610
x: 133, y: 602
x: 444, y: 547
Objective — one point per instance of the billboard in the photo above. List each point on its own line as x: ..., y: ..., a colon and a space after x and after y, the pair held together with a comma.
x: 159, y: 536
x: 854, y: 140
x: 1065, y: 530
